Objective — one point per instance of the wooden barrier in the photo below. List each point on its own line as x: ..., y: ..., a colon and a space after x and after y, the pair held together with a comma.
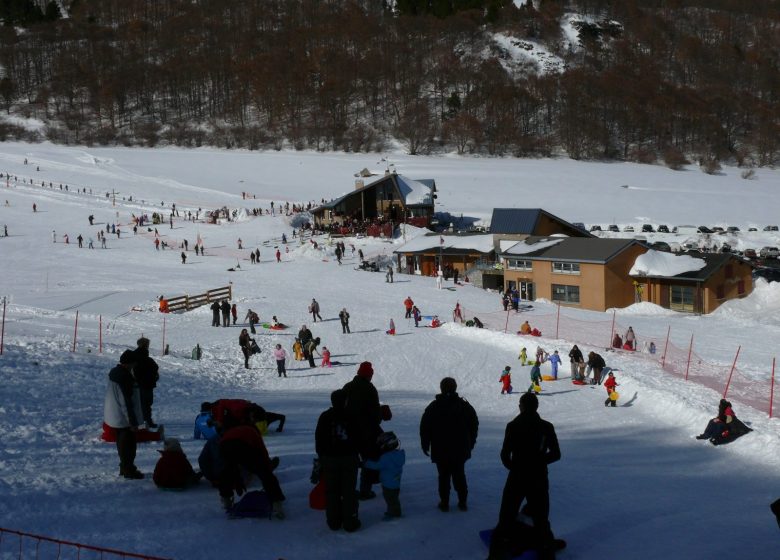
x: 187, y: 302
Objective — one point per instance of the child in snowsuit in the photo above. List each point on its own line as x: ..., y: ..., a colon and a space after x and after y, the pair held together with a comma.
x: 173, y: 471
x: 541, y: 354
x: 523, y: 357
x: 610, y: 385
x: 391, y: 330
x: 536, y: 376
x: 416, y: 315
x: 390, y: 466
x: 506, y: 380
x: 554, y: 360
x: 325, y: 357
x: 298, y: 349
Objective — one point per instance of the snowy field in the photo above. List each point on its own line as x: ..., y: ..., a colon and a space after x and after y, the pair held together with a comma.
x: 633, y: 482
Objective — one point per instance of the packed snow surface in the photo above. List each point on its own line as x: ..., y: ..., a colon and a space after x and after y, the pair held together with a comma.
x: 659, y: 263
x: 632, y: 482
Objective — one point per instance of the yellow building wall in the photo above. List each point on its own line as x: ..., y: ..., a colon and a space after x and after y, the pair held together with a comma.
x: 618, y: 285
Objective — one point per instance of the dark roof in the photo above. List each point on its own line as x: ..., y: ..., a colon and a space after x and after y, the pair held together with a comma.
x: 714, y: 263
x: 573, y: 249
x: 523, y: 221
x: 398, y: 181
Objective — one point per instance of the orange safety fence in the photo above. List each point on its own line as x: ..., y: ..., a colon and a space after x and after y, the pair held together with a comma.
x: 748, y: 388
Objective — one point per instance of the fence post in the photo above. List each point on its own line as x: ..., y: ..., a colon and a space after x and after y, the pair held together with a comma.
x: 75, y: 331
x: 687, y: 367
x: 100, y: 334
x: 506, y: 325
x: 187, y: 302
x: 557, y: 320
x: 611, y: 330
x: 666, y: 346
x: 733, y: 366
x: 2, y: 329
x: 772, y: 389
x: 163, y: 337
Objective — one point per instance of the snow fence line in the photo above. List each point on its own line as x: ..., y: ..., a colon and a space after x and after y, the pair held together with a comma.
x: 681, y: 362
x: 28, y: 545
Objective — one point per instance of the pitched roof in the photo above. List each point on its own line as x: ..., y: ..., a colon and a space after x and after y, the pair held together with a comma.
x: 523, y: 221
x: 413, y: 192
x: 569, y: 249
x: 714, y: 263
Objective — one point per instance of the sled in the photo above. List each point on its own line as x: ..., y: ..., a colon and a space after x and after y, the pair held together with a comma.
x: 579, y: 382
x: 277, y: 327
x: 254, y: 503
x: 549, y: 378
x: 254, y: 348
x: 317, y: 497
x: 528, y: 553
x: 141, y: 435
x: 537, y: 388
x: 614, y: 395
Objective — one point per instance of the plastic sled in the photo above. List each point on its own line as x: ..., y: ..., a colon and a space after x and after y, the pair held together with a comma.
x: 549, y: 378
x: 614, y: 395
x: 578, y: 382
x: 527, y: 555
x: 254, y: 503
x: 317, y: 497
x: 141, y: 436
x: 537, y: 388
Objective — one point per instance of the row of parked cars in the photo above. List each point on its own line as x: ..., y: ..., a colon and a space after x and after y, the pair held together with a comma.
x: 648, y: 228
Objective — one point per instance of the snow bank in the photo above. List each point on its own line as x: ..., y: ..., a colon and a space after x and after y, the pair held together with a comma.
x: 761, y: 306
x: 644, y: 308
x: 659, y: 263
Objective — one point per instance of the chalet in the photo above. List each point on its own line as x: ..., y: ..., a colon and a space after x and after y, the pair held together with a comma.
x: 426, y: 253
x: 694, y: 282
x: 585, y: 272
x: 378, y: 204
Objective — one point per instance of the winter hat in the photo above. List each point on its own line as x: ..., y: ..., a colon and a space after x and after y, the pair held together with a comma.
x: 338, y: 398
x: 448, y: 385
x: 507, y: 368
x: 127, y: 357
x: 366, y: 370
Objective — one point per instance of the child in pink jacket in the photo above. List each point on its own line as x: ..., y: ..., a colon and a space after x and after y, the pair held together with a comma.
x: 281, y: 357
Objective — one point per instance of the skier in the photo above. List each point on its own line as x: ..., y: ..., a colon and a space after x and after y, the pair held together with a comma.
x: 506, y: 381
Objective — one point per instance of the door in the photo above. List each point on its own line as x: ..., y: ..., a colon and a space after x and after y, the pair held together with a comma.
x: 527, y: 291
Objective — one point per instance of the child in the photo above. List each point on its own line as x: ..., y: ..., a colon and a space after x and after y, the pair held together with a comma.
x: 173, y: 471
x: 523, y: 357
x: 506, y: 380
x: 391, y: 330
x: 541, y: 354
x: 435, y: 322
x: 281, y: 357
x: 610, y: 385
x: 536, y: 376
x: 298, y: 349
x: 554, y: 360
x: 390, y: 466
x: 416, y: 314
x: 325, y: 357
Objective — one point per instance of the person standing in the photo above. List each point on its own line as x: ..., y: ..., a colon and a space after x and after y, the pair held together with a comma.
x: 278, y: 256
x: 53, y: 236
x: 417, y: 316
x: 214, y: 314
x: 147, y: 374
x: 389, y: 275
x: 245, y: 342
x: 225, y: 308
x: 408, y: 304
x: 234, y: 313
x: 337, y: 449
x: 630, y: 338
x: 439, y: 278
x: 344, y: 318
x: 575, y: 357
x: 448, y: 433
x: 364, y: 412
x: 80, y: 239
x: 281, y: 357
x: 121, y: 411
x: 314, y: 309
x: 183, y: 257
x: 257, y: 256
x: 530, y: 444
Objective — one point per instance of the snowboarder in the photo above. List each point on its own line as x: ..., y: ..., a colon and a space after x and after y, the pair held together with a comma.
x: 506, y: 381
x: 344, y: 318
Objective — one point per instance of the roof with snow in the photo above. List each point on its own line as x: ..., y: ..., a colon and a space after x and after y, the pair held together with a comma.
x: 570, y: 249
x: 458, y: 244
x: 691, y: 267
x: 525, y: 221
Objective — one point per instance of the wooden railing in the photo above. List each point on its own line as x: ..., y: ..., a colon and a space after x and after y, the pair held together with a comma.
x: 187, y: 302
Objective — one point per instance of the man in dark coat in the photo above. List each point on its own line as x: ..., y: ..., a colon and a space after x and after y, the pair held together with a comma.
x: 121, y: 412
x: 448, y: 430
x: 225, y: 308
x: 147, y: 374
x: 305, y: 336
x: 214, y: 314
x: 338, y: 454
x: 363, y: 410
x: 597, y: 364
x: 530, y: 444
x: 344, y: 318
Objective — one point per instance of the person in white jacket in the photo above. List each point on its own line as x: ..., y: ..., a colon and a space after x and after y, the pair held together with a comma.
x: 122, y: 412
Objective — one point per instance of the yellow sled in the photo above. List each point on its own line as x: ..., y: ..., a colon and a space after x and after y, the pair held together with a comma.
x: 613, y: 396
x: 548, y: 378
x: 537, y: 388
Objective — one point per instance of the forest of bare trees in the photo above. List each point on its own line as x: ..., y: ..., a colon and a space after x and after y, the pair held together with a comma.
x: 652, y: 80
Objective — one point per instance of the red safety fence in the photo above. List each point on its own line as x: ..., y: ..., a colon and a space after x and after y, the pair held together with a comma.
x: 24, y: 546
x: 748, y: 388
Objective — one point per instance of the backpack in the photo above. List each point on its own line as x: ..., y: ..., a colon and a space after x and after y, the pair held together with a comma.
x: 254, y: 348
x: 255, y: 503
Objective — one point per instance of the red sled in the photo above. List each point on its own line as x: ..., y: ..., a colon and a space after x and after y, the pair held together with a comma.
x: 578, y: 382
x: 317, y: 497
x: 141, y: 436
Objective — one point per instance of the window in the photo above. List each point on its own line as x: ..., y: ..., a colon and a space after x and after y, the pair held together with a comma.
x: 565, y: 268
x: 682, y: 298
x: 517, y: 264
x: 565, y: 294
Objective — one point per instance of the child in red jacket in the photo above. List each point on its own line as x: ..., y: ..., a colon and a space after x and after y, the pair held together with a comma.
x: 173, y: 471
x: 610, y: 385
x: 326, y: 357
x: 506, y: 381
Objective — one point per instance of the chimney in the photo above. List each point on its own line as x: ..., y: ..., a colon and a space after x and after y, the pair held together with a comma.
x: 359, y: 184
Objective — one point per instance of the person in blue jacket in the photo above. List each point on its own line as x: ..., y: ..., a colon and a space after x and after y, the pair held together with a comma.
x: 555, y: 361
x: 390, y: 466
x: 204, y: 423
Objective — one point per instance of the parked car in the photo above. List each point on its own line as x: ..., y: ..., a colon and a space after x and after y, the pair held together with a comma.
x: 705, y: 229
x: 595, y: 228
x: 686, y: 229
x: 750, y: 254
x: 725, y: 248
x: 647, y: 228
x: 579, y: 225
x: 770, y: 228
x: 717, y: 229
x: 769, y: 252
x: 732, y: 229
x: 613, y: 227
x: 752, y: 229
x: 661, y: 246
x: 663, y: 228
x: 629, y: 229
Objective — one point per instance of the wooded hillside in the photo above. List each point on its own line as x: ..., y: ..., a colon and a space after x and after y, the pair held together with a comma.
x: 648, y: 80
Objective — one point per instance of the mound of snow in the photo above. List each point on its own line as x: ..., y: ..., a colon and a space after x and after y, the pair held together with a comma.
x: 644, y: 308
x: 761, y: 306
x: 659, y: 263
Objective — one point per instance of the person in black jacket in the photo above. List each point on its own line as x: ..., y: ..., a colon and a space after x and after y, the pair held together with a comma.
x: 214, y: 314
x: 245, y: 342
x: 344, y: 318
x: 147, y: 375
x: 364, y: 411
x: 448, y: 429
x: 575, y: 357
x: 338, y: 455
x: 530, y: 444
x: 597, y: 364
x: 225, y: 308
